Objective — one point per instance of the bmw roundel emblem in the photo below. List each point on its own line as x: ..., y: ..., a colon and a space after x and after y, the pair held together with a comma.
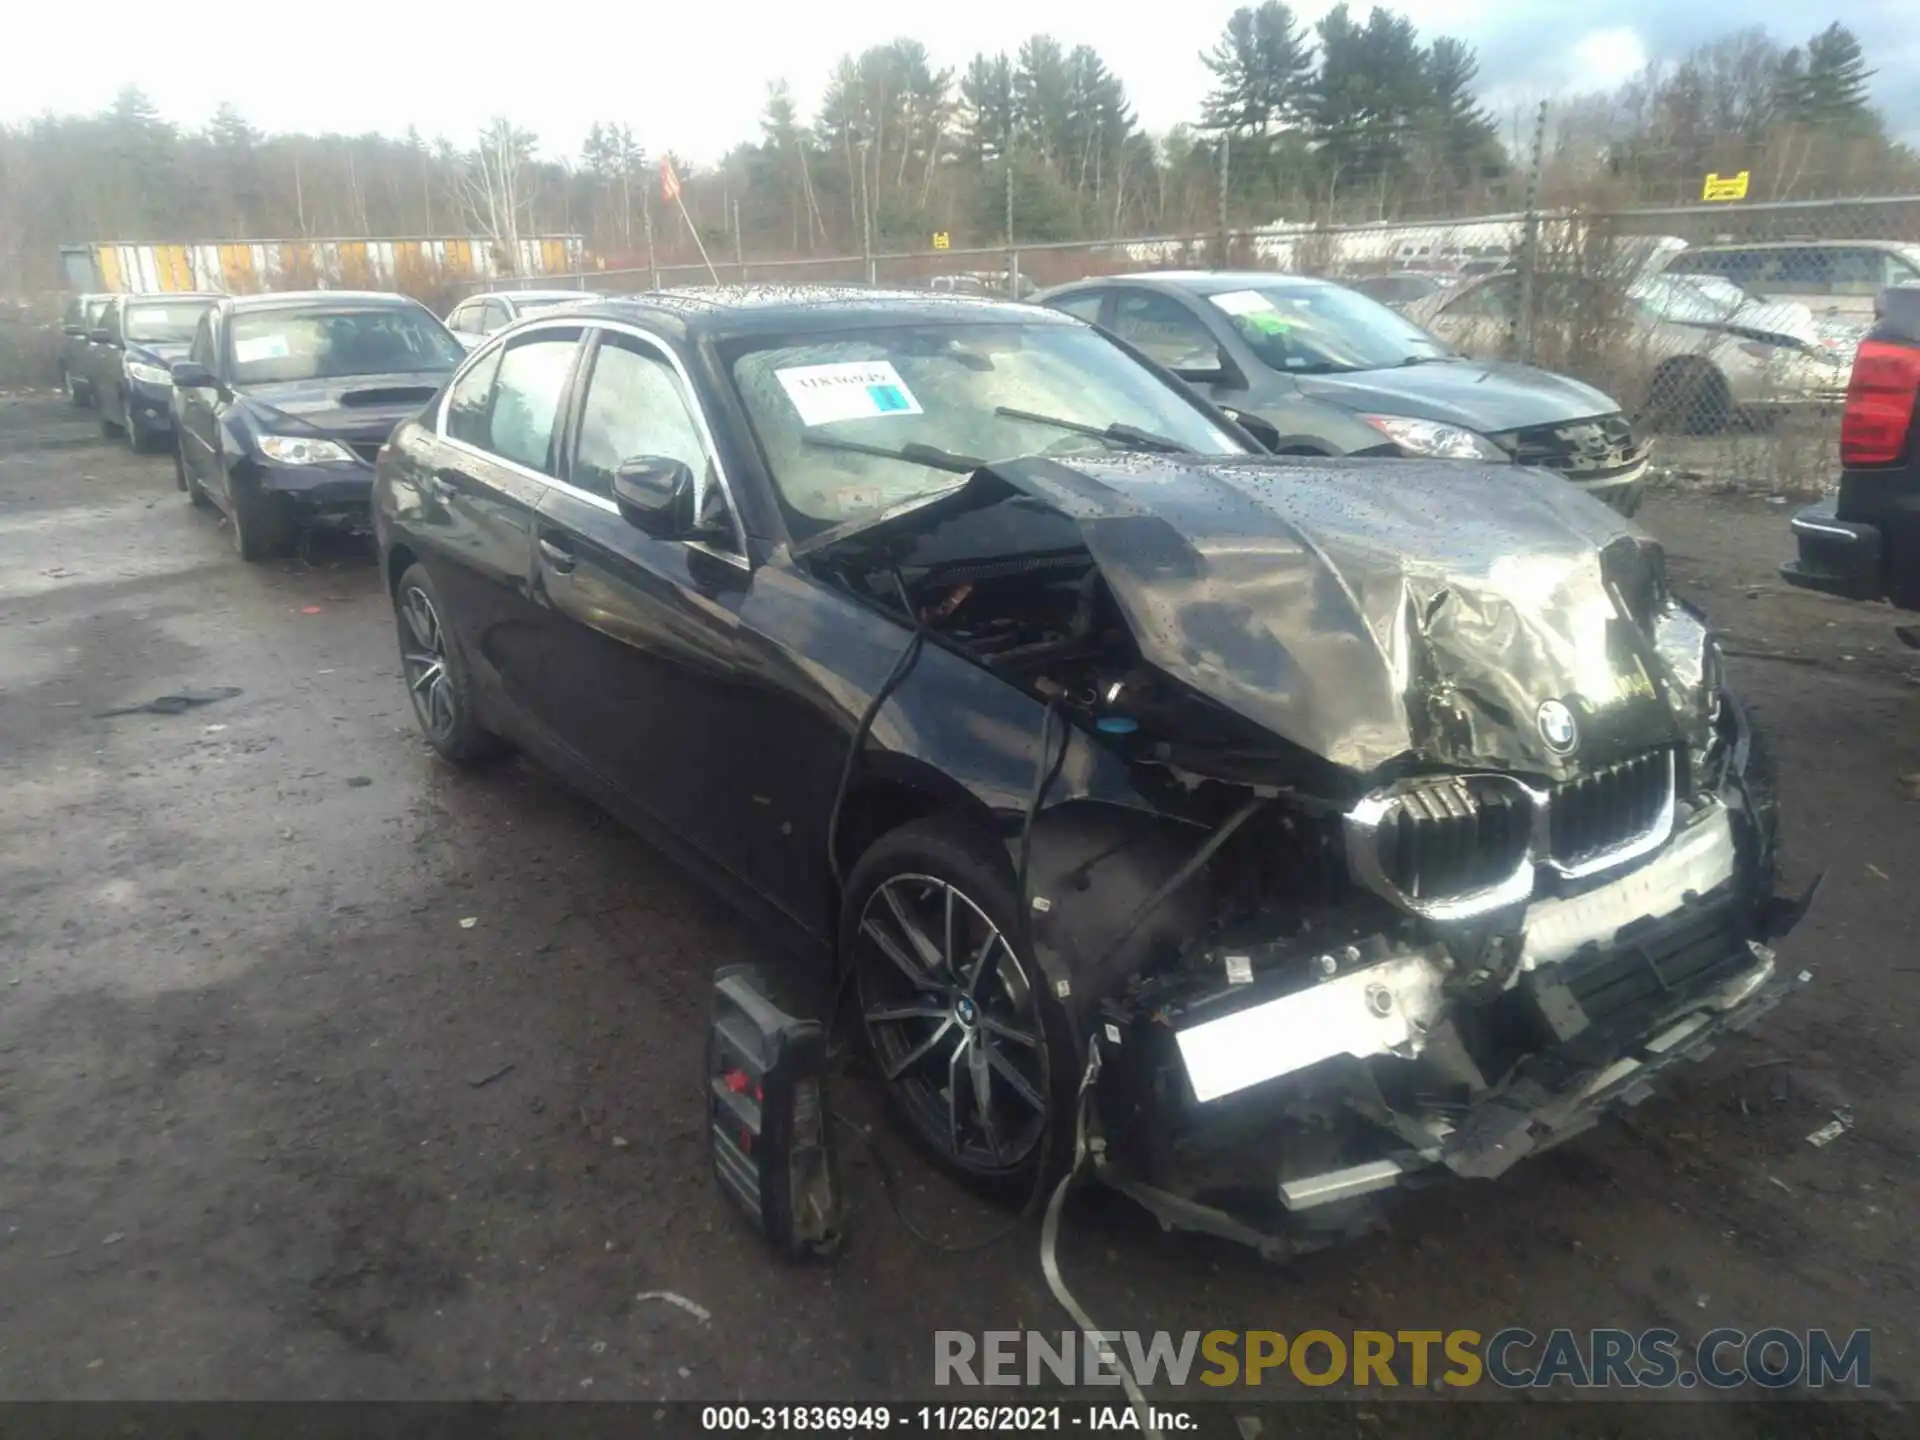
x: 1558, y: 727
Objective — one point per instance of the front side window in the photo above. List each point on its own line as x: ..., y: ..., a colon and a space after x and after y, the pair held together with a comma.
x: 1322, y: 329
x: 96, y: 311
x: 172, y: 323
x: 634, y: 407
x: 1084, y: 307
x: 467, y: 402
x: 1160, y: 326
x: 493, y: 315
x: 110, y: 320
x: 275, y: 345
x: 526, y: 398
x: 975, y: 392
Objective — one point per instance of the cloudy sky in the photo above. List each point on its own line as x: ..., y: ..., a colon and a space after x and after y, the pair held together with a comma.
x: 693, y: 77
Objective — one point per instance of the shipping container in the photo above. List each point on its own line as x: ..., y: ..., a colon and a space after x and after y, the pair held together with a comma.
x: 243, y: 266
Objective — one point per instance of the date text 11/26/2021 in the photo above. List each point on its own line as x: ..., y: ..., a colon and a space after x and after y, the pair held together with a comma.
x: 938, y: 1419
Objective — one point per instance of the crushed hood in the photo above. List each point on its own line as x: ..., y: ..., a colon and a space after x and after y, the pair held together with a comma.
x: 1373, y: 615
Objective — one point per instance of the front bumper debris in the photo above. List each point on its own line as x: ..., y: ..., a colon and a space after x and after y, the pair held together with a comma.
x: 1379, y: 1073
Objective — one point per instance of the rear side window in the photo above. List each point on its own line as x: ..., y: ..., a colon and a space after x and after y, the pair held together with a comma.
x: 493, y: 315
x: 634, y: 406
x: 467, y: 403
x: 526, y: 398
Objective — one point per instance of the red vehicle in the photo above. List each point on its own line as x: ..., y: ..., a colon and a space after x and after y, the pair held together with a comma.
x: 1863, y: 542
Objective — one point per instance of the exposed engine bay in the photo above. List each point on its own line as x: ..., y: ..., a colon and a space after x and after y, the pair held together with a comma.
x: 1456, y: 848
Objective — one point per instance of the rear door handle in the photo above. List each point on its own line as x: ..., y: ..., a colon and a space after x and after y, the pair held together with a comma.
x: 558, y: 557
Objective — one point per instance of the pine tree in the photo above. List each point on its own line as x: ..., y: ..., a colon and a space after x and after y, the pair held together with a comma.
x: 1260, y: 68
x: 986, y: 109
x: 1833, y: 88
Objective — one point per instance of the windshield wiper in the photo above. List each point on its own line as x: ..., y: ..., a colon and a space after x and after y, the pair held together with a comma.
x: 932, y: 456
x: 1119, y: 431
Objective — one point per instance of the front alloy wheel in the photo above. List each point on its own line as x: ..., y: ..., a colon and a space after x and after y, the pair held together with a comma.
x: 954, y: 1025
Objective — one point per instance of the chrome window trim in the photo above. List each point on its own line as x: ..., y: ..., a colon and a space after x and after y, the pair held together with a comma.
x: 690, y: 391
x: 1361, y: 825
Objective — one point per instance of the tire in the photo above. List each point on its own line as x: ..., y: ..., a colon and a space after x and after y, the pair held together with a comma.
x: 261, y: 529
x: 138, y: 442
x: 74, y: 397
x: 108, y: 429
x: 435, y: 670
x: 974, y: 1051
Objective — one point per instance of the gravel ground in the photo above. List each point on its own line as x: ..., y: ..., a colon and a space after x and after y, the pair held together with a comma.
x: 256, y: 959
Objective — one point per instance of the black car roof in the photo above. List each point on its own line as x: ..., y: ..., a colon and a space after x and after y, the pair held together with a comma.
x: 727, y: 310
x: 321, y: 300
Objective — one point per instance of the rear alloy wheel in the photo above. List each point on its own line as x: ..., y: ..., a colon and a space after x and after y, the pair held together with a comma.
x: 949, y: 1008
x: 436, y: 673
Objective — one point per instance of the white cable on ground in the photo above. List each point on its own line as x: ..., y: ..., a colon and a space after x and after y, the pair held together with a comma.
x: 1050, y: 1261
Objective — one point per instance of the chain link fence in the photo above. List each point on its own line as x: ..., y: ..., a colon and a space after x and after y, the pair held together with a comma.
x: 1725, y: 333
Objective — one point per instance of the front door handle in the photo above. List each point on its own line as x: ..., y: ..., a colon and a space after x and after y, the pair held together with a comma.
x: 558, y: 557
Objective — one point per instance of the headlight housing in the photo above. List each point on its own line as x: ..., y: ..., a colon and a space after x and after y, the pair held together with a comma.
x: 1432, y: 437
x: 299, y: 450
x: 149, y: 374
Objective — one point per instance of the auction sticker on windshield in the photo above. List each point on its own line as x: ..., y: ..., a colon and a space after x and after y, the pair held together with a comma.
x: 856, y: 390
x: 1241, y: 302
x: 263, y: 347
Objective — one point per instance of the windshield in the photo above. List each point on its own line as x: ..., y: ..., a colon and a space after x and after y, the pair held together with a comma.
x: 944, y: 389
x: 270, y: 345
x: 171, y: 324
x: 1322, y: 329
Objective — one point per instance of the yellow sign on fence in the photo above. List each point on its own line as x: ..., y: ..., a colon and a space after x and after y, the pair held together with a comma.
x: 1725, y: 187
x: 941, y: 240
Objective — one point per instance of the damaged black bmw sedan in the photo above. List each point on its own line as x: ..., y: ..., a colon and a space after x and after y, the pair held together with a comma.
x: 1293, y: 829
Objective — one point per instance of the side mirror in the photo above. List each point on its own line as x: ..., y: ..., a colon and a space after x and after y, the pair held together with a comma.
x: 77, y: 332
x: 1221, y: 372
x: 655, y: 494
x: 101, y: 336
x: 190, y: 375
x: 1264, y: 431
